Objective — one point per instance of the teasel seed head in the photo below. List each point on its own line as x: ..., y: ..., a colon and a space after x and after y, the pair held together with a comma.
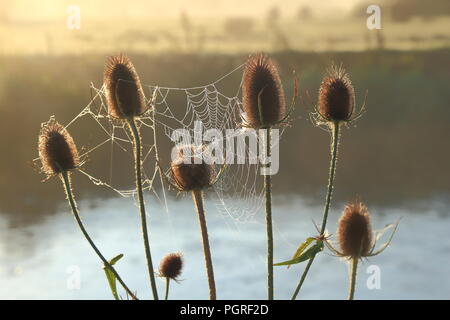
x: 171, y: 266
x: 57, y: 150
x: 123, y: 90
x: 261, y: 83
x: 355, y: 231
x: 336, y: 96
x: 187, y: 174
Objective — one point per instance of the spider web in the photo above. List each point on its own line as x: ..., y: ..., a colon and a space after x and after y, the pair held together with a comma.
x: 238, y: 192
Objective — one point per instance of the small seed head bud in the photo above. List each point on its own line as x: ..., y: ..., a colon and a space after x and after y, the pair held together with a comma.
x: 171, y: 266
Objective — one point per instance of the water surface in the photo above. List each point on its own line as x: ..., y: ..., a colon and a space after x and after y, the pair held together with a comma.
x: 38, y: 261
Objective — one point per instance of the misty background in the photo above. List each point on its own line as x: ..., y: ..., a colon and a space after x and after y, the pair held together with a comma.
x: 394, y: 158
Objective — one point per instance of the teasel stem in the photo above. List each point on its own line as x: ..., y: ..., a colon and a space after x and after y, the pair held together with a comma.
x: 197, y: 196
x: 332, y: 173
x: 353, y: 271
x: 302, y: 279
x: 335, y: 126
x: 68, y: 188
x: 269, y: 229
x: 138, y: 166
x: 167, y: 288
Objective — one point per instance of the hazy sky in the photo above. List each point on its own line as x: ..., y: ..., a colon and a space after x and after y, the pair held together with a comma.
x: 54, y: 9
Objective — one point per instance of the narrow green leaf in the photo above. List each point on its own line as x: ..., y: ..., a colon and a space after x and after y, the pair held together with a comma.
x: 115, y: 259
x: 111, y: 276
x: 308, y: 254
x: 301, y: 248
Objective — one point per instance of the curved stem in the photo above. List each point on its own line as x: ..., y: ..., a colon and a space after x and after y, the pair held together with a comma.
x: 353, y: 271
x: 197, y: 196
x: 269, y: 229
x: 302, y: 279
x: 68, y: 188
x: 138, y: 165
x: 331, y: 175
x: 167, y: 288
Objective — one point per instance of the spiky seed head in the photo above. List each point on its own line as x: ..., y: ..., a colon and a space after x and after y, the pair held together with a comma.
x: 57, y: 150
x: 189, y: 175
x: 355, y: 231
x: 336, y: 96
x: 123, y: 90
x: 171, y: 266
x: 261, y: 79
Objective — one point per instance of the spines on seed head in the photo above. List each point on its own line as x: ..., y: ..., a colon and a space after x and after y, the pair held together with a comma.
x: 57, y: 150
x: 336, y: 96
x: 190, y: 171
x: 123, y: 90
x: 355, y: 231
x: 262, y: 93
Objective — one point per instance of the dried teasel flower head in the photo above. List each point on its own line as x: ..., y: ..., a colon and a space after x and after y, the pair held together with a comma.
x: 355, y: 231
x: 336, y: 96
x: 190, y: 171
x: 57, y: 150
x: 171, y: 266
x: 123, y: 90
x: 262, y: 93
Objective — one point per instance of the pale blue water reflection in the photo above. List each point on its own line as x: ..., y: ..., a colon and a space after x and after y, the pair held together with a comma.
x: 40, y: 261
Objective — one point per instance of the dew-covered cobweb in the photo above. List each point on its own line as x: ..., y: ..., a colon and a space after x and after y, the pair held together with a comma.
x: 108, y: 154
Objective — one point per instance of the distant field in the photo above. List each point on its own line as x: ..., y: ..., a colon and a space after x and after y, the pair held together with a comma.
x: 231, y: 35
